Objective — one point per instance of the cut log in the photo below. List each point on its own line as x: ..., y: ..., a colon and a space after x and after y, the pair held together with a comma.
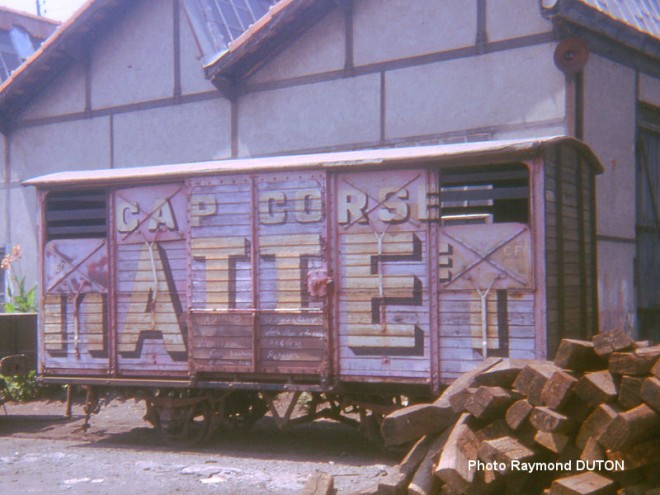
x: 489, y: 402
x: 557, y: 390
x: 392, y: 484
x: 630, y: 427
x: 638, y: 489
x: 424, y: 481
x: 517, y: 413
x: 495, y: 429
x: 545, y: 419
x: 596, y: 423
x: 554, y: 442
x: 629, y: 390
x: 531, y: 380
x: 637, y: 456
x: 459, y: 399
x: 413, y: 422
x: 613, y: 341
x: 588, y: 483
x: 650, y: 392
x: 504, y: 450
x: 578, y: 355
x: 593, y: 451
x: 577, y: 409
x: 464, y: 381
x: 318, y: 483
x: 503, y: 374
x: 596, y: 387
x: 416, y: 455
x: 461, y: 447
x: 656, y: 369
x: 639, y: 362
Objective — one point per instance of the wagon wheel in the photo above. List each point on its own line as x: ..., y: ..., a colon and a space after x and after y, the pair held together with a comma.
x: 186, y: 426
x: 244, y: 409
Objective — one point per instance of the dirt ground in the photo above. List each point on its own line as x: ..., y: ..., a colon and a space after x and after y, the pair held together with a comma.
x: 42, y: 452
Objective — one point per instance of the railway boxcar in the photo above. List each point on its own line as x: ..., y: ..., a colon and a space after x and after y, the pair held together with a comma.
x: 357, y: 277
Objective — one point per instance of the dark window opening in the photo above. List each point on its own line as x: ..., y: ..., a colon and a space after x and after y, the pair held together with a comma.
x: 492, y: 194
x: 76, y: 215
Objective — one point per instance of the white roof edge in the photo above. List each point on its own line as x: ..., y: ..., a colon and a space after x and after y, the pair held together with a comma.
x: 283, y: 162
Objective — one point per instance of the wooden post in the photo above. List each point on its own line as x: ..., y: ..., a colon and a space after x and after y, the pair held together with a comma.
x: 69, y: 398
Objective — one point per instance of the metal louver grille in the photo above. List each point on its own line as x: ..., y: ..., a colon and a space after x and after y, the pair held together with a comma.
x: 76, y: 215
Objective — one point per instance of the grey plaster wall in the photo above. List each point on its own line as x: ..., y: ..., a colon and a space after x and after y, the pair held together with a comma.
x: 188, y: 132
x: 65, y: 95
x: 135, y: 61
x: 325, y: 114
x: 610, y: 123
x: 393, y: 29
x: 528, y: 19
x: 69, y: 145
x: 318, y: 50
x: 501, y: 89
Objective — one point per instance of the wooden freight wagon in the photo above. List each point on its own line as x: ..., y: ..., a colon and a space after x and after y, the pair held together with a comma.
x: 358, y: 277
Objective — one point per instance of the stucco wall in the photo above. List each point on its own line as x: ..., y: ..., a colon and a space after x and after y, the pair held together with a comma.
x: 609, y: 124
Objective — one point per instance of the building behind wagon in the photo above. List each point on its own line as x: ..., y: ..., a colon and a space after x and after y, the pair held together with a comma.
x: 129, y: 83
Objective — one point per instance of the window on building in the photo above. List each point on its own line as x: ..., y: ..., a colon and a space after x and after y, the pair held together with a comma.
x: 492, y: 194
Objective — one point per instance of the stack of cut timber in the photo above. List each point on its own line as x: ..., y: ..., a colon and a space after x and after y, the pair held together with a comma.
x: 586, y: 424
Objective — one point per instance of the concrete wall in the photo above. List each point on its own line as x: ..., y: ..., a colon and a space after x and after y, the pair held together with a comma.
x: 610, y: 123
x: 415, y: 74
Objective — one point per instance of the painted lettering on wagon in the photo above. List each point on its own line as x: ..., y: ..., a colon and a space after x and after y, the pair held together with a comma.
x: 76, y: 323
x: 372, y: 330
x: 128, y: 215
x: 291, y: 255
x: 275, y: 207
x: 392, y: 205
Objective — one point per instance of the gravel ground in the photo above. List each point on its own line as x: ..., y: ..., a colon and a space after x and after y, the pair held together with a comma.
x: 41, y: 452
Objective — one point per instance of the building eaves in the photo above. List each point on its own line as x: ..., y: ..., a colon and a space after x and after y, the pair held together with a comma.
x: 69, y: 43
x: 632, y: 23
x: 38, y: 27
x: 285, y: 21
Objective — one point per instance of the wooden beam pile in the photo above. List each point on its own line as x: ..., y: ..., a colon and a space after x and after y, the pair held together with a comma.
x: 586, y: 424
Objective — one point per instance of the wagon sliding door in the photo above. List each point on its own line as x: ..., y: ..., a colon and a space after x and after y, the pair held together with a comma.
x: 383, y: 276
x: 150, y: 280
x: 256, y: 242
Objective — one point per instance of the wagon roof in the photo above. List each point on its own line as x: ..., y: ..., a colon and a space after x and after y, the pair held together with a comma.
x: 463, y: 152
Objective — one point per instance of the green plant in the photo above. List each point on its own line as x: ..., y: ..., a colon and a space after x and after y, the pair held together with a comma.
x: 20, y: 299
x: 24, y: 388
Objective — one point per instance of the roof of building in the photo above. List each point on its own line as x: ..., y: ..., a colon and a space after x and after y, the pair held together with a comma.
x: 221, y: 20
x: 641, y: 15
x: 635, y: 23
x: 448, y: 153
x: 20, y: 36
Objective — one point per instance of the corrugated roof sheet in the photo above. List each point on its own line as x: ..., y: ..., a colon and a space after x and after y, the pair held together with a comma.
x: 641, y: 15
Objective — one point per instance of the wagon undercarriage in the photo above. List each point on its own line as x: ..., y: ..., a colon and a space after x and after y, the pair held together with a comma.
x: 189, y: 417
